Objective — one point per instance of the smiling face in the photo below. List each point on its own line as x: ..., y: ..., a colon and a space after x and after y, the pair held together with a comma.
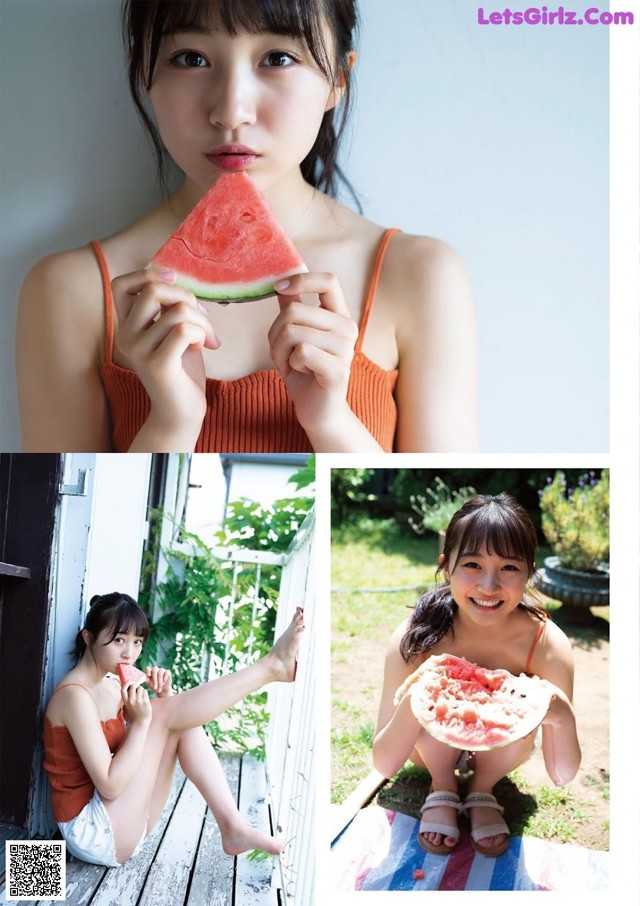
x: 485, y: 585
x: 249, y: 101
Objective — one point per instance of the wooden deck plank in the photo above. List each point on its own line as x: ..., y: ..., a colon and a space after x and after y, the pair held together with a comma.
x: 84, y: 879
x: 212, y: 882
x: 182, y: 861
x: 123, y: 886
x: 171, y: 868
x: 253, y: 879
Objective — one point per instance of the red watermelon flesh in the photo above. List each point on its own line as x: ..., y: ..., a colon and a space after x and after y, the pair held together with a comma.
x: 470, y: 707
x: 128, y: 673
x: 230, y: 248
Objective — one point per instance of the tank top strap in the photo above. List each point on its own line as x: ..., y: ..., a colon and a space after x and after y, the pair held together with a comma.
x: 373, y: 285
x: 536, y: 639
x: 108, y: 300
x: 64, y: 686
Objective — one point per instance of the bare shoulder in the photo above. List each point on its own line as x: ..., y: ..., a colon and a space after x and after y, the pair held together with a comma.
x: 555, y: 642
x: 425, y: 269
x: 63, y: 283
x: 553, y: 658
x: 68, y: 697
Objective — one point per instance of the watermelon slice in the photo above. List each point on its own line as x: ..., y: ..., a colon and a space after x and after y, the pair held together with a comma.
x: 469, y: 707
x: 230, y: 248
x: 127, y: 674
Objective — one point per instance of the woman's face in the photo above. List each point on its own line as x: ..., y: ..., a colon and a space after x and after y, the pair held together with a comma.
x: 252, y: 102
x: 124, y: 648
x: 485, y: 586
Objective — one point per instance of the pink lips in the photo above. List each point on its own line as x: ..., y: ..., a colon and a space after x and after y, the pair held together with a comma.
x: 232, y: 157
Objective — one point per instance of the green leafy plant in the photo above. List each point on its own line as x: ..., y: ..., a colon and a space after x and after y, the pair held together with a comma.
x: 217, y: 614
x: 437, y: 505
x: 575, y: 520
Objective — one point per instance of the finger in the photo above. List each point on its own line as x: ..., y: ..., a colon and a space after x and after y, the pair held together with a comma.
x: 293, y: 335
x: 127, y: 287
x: 328, y: 369
x: 182, y: 337
x: 327, y: 287
x: 151, y: 318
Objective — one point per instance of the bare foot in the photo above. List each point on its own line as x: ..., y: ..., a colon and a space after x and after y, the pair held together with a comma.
x: 481, y: 816
x: 441, y: 814
x: 243, y: 838
x: 282, y: 656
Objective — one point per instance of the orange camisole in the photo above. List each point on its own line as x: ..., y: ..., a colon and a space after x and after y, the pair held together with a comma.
x: 71, y: 786
x: 254, y: 413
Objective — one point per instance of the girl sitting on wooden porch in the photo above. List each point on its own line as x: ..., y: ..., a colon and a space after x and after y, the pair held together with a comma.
x: 111, y: 751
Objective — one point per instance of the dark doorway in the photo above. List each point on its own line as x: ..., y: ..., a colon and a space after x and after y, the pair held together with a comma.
x: 28, y: 498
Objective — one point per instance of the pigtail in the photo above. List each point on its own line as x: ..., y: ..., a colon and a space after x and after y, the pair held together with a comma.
x: 431, y: 620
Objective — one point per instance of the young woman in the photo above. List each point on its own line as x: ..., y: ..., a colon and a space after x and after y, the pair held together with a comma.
x: 484, y: 614
x: 373, y: 349
x: 111, y: 751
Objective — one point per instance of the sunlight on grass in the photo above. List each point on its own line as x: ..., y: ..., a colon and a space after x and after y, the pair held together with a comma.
x: 370, y: 555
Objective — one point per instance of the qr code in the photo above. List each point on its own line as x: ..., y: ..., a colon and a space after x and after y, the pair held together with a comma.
x: 36, y: 869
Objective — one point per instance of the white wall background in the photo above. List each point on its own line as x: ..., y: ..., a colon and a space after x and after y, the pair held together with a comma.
x: 493, y: 138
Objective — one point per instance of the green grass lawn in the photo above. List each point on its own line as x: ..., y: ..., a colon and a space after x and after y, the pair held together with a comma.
x: 371, y: 554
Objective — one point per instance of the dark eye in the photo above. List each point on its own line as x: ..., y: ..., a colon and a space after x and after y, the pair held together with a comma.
x: 279, y: 59
x: 189, y: 59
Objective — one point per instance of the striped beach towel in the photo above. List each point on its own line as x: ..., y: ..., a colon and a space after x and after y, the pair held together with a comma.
x: 379, y: 851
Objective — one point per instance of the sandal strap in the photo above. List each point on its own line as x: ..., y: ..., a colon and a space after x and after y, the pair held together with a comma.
x: 489, y: 830
x: 486, y: 800
x: 433, y: 800
x: 447, y: 830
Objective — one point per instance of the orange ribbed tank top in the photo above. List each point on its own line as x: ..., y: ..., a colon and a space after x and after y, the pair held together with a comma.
x: 70, y: 784
x: 253, y: 414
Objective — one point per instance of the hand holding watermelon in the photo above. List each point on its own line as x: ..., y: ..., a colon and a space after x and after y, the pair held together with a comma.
x: 312, y: 347
x: 135, y: 698
x: 162, y: 330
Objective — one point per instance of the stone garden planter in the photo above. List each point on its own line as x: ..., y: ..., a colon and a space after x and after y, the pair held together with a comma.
x: 574, y: 587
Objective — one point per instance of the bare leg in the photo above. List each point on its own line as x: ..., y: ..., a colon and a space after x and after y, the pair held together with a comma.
x: 148, y: 789
x: 440, y: 760
x: 200, y: 763
x: 207, y: 702
x: 490, y: 767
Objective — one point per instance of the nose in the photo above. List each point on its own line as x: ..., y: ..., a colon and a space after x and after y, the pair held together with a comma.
x: 490, y: 580
x: 232, y: 99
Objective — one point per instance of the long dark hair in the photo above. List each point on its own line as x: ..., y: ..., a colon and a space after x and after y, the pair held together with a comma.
x: 144, y: 22
x: 116, y: 612
x: 500, y: 523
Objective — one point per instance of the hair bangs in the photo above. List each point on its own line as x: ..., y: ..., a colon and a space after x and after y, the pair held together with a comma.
x: 296, y: 18
x: 500, y: 525
x: 128, y: 619
x: 494, y: 533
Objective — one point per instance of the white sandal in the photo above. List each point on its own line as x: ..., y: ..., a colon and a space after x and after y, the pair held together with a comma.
x: 487, y: 800
x: 434, y: 800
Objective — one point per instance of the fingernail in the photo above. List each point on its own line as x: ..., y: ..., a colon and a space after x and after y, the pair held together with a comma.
x: 167, y: 276
x: 282, y: 284
x: 203, y: 308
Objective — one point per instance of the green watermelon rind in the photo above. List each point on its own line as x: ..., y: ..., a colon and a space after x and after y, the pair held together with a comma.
x: 232, y: 292
x: 469, y: 741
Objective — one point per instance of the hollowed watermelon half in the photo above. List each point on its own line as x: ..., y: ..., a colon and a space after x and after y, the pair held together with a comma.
x: 469, y: 707
x: 230, y: 248
x: 130, y: 674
